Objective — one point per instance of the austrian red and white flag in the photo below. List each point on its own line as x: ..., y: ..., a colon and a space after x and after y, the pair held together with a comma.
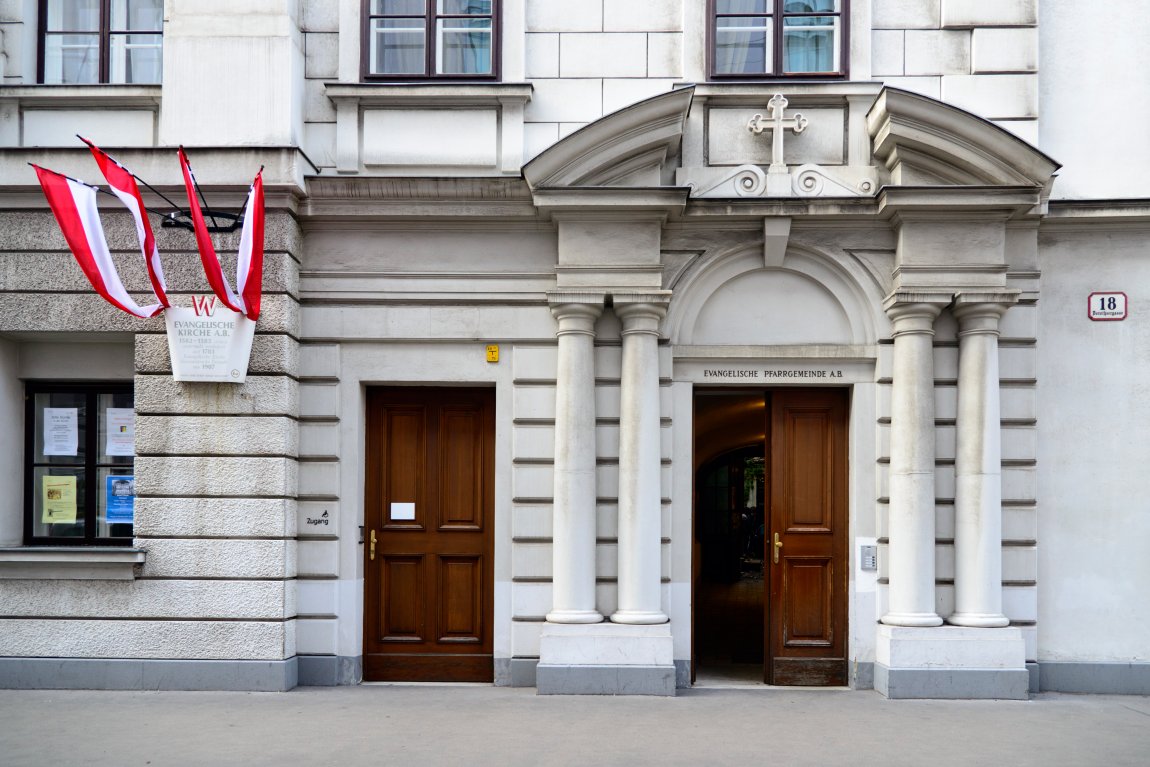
x: 250, y: 259
x: 123, y: 185
x: 74, y: 205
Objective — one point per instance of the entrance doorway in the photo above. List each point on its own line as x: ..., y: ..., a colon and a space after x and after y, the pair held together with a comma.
x: 770, y: 527
x: 428, y: 516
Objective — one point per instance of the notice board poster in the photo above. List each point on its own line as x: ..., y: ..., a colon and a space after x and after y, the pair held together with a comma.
x: 120, y: 499
x: 58, y: 500
x: 61, y: 430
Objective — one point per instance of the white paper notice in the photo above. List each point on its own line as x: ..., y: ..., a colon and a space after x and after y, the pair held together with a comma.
x: 402, y: 511
x: 60, y: 430
x: 121, y: 425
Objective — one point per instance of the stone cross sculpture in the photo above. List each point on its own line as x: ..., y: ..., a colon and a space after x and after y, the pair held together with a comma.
x: 778, y: 177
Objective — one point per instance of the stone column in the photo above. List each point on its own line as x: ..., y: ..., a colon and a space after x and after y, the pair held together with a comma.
x: 911, y: 512
x: 573, y: 535
x: 978, y: 464
x: 640, y: 492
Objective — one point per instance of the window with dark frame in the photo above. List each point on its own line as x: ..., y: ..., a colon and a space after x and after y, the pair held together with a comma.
x: 430, y: 39
x: 101, y: 41
x: 754, y: 39
x: 79, y: 458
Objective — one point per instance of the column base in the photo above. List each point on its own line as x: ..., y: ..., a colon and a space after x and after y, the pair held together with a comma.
x: 978, y: 620
x: 913, y: 620
x: 574, y: 616
x: 951, y: 662
x: 605, y: 659
x: 639, y: 618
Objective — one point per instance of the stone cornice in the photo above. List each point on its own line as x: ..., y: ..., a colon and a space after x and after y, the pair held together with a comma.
x: 922, y: 141
x: 957, y: 201
x: 224, y: 172
x: 632, y: 142
x: 598, y: 202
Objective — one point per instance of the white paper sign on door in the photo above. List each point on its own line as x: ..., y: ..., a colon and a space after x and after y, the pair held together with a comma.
x: 402, y: 511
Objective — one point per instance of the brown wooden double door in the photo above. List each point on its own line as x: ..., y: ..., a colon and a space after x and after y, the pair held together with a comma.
x: 771, y: 530
x: 428, y: 518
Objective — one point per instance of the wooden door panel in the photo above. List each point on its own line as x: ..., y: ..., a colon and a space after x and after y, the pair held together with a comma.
x: 807, y: 606
x: 460, y: 437
x: 460, y: 597
x: 429, y: 581
x: 807, y: 597
x: 807, y: 446
x: 404, y: 470
x: 403, y: 589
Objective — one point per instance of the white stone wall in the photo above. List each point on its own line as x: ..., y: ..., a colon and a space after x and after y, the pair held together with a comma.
x: 235, y: 72
x: 587, y: 58
x: 1094, y: 105
x: 980, y: 55
x: 1093, y: 486
x: 319, y: 23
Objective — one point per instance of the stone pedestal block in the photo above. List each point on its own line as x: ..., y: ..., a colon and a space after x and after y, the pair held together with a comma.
x: 606, y: 659
x: 951, y: 662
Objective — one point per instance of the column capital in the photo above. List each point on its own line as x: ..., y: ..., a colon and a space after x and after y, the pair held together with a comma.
x: 915, y: 311
x: 592, y: 299
x: 641, y: 312
x: 980, y: 311
x: 902, y: 301
x: 576, y: 311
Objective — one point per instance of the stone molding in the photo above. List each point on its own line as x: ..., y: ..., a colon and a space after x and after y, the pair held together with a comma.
x: 979, y: 313
x: 615, y: 150
x: 66, y: 563
x: 923, y: 141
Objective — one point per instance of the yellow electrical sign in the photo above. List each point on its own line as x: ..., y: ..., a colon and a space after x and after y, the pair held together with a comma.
x: 493, y: 352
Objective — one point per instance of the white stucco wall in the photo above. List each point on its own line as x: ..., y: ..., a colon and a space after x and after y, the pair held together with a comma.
x: 1093, y: 101
x: 1093, y: 482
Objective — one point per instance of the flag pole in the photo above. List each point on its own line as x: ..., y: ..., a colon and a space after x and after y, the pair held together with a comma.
x: 203, y: 199
x: 142, y: 181
x: 93, y: 186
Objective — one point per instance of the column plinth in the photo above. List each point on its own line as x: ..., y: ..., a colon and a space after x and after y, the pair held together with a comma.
x: 573, y: 534
x: 910, y: 551
x: 640, y: 489
x: 978, y: 465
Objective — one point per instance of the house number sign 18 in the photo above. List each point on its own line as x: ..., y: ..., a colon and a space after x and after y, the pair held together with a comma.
x: 1107, y: 306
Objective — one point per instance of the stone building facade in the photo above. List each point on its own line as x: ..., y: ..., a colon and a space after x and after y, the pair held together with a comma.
x: 600, y: 366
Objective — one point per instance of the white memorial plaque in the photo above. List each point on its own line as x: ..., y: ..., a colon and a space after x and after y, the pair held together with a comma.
x: 61, y: 430
x: 209, y: 343
x: 1107, y: 306
x: 402, y: 511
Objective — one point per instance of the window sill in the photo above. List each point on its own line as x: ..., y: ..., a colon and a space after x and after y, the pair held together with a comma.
x: 82, y: 95
x: 95, y: 563
x: 429, y: 93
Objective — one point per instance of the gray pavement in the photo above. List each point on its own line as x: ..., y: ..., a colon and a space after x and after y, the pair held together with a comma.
x: 484, y: 725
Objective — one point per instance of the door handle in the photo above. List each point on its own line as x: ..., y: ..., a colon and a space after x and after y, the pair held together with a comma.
x: 373, y: 546
x: 778, y: 545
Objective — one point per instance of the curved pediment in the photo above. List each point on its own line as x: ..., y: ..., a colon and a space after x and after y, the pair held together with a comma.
x: 926, y: 142
x: 625, y: 148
